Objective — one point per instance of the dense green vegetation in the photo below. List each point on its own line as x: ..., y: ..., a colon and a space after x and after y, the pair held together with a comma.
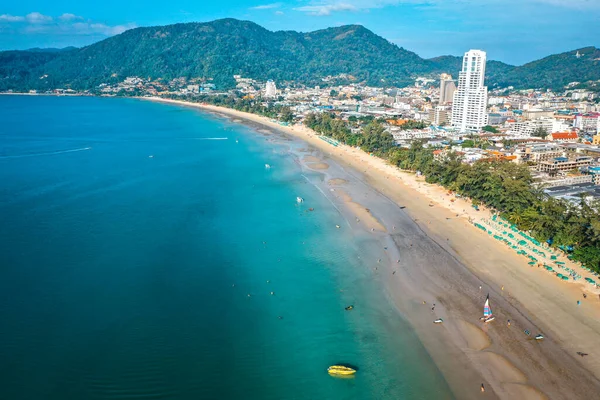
x: 413, y: 125
x: 494, y: 70
x: 540, y: 132
x: 545, y: 73
x: 18, y: 66
x: 223, y: 48
x: 490, y: 129
x: 502, y: 185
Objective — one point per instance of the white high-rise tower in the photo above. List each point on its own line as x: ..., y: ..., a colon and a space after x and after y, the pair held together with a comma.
x: 470, y: 98
x: 270, y: 89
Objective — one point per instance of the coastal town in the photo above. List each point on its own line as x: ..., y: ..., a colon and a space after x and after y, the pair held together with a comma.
x: 555, y: 133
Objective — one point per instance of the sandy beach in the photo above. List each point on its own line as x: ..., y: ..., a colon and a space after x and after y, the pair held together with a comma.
x: 440, y: 266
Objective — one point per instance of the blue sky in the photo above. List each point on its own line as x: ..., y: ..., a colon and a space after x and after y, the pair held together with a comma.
x: 513, y: 31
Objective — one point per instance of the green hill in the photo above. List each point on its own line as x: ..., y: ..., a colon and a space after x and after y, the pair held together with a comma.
x: 222, y: 48
x: 494, y: 70
x: 556, y: 71
x: 227, y: 47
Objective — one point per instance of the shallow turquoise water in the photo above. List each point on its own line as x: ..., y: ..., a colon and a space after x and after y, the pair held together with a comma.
x: 124, y: 276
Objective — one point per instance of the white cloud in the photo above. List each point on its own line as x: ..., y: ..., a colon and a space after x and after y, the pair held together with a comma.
x: 278, y: 12
x: 38, y: 18
x: 65, y: 24
x: 87, y: 28
x: 11, y: 18
x: 266, y: 6
x: 327, y: 9
x: 70, y: 17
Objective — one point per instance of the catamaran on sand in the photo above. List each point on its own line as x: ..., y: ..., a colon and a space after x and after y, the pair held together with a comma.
x: 487, y: 311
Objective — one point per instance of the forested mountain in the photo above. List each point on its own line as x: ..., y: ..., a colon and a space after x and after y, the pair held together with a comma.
x: 222, y: 48
x: 494, y: 70
x: 556, y: 70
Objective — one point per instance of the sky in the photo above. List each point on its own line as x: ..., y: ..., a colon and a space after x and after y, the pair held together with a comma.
x: 513, y: 31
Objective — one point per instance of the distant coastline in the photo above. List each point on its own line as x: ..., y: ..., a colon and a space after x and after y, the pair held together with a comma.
x: 525, y: 295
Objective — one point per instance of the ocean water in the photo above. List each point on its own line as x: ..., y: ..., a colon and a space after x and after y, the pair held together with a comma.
x: 140, y: 244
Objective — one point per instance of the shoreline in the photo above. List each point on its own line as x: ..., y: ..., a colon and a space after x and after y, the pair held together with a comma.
x: 512, y: 365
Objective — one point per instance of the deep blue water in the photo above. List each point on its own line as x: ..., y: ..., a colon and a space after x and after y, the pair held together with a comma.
x: 127, y: 277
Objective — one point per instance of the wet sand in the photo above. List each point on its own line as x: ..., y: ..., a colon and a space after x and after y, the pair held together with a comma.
x: 433, y: 256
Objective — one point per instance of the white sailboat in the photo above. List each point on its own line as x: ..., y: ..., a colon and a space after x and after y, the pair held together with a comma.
x: 488, y: 316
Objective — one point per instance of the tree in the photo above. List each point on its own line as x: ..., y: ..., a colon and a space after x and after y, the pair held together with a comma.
x: 286, y: 115
x: 333, y: 93
x: 540, y: 132
x: 489, y: 128
x: 376, y: 139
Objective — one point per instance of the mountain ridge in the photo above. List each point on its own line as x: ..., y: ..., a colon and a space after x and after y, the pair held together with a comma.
x: 222, y: 48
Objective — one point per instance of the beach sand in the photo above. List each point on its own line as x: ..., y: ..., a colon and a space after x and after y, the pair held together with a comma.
x: 436, y: 256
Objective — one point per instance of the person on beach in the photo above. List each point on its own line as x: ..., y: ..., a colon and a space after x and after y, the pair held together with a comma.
x: 482, y: 388
x: 508, y: 323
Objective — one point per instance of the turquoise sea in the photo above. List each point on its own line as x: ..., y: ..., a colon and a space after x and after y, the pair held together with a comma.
x: 126, y: 276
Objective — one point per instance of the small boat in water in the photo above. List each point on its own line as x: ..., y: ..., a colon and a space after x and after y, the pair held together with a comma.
x: 438, y: 321
x: 349, y: 308
x: 299, y: 199
x: 267, y: 166
x: 337, y: 226
x: 340, y: 370
x: 487, y: 311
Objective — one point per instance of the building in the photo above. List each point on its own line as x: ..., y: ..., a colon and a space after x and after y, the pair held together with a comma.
x: 564, y: 164
x: 440, y: 115
x: 447, y: 88
x: 527, y: 128
x: 588, y: 122
x: 496, y: 119
x: 470, y: 98
x: 564, y: 137
x: 568, y: 181
x: 270, y: 89
x: 537, y: 152
x: 573, y: 193
x: 537, y: 114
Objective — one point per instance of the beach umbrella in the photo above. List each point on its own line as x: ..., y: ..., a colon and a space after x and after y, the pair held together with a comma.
x: 531, y: 263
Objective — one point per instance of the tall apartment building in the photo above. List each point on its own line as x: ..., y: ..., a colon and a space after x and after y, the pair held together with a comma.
x: 439, y: 115
x: 447, y: 88
x: 589, y: 122
x: 270, y: 89
x: 470, y: 98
